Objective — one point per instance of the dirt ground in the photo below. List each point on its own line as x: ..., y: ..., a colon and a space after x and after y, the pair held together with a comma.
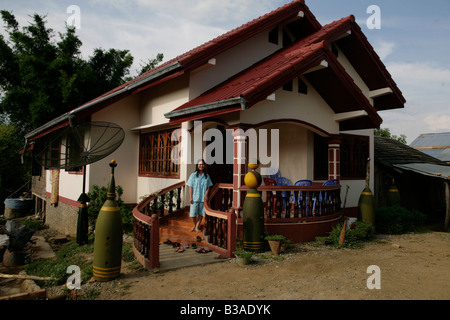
x: 411, y: 266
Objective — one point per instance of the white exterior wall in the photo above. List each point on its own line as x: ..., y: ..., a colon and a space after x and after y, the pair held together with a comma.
x: 230, y: 62
x: 152, y: 107
x: 125, y: 114
x: 70, y: 184
x: 157, y: 101
x: 310, y: 108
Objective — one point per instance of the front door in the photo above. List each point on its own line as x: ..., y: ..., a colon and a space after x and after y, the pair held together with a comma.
x: 221, y: 173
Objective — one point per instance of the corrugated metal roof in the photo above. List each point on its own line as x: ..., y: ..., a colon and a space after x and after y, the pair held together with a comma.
x: 428, y: 169
x: 432, y: 140
x: 444, y: 155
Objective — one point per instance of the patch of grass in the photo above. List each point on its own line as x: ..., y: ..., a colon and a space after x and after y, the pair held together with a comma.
x: 69, y: 254
x: 358, y: 233
x: 33, y: 224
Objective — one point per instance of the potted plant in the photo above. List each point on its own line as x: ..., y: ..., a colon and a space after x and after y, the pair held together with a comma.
x: 243, y: 257
x: 275, y: 242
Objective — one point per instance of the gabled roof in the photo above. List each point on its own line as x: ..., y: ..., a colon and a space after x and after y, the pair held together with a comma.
x: 366, y: 62
x: 441, y: 139
x: 262, y: 79
x: 371, y: 69
x: 434, y: 144
x: 389, y: 152
x: 187, y: 61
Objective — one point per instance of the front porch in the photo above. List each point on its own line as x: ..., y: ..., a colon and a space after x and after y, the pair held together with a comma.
x: 299, y: 212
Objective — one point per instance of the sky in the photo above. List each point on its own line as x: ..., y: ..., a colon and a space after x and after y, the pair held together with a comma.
x: 411, y: 37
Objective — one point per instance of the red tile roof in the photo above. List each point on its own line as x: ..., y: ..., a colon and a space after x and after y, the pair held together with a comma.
x: 189, y: 60
x: 257, y: 82
x: 201, y: 54
x: 252, y: 85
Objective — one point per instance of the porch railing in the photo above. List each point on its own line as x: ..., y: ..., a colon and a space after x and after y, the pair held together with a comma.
x: 301, y: 203
x: 220, y: 232
x: 146, y: 222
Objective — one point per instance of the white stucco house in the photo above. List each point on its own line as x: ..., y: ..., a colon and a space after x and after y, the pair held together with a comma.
x: 319, y: 89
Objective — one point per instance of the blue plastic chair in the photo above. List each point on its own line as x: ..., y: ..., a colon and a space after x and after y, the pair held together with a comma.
x: 327, y: 183
x: 300, y: 197
x: 330, y: 182
x: 281, y: 181
x: 303, y: 183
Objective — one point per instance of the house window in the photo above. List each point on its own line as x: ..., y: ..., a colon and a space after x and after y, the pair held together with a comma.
x: 156, y: 156
x: 74, y: 149
x: 354, y: 154
x: 51, y: 157
x: 354, y: 151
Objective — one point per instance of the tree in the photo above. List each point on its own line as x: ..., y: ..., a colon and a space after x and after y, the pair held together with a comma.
x: 41, y: 79
x: 12, y: 174
x: 387, y: 134
x: 151, y: 63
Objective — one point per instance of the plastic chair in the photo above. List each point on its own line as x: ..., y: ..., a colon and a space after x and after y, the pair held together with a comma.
x: 281, y: 181
x: 330, y: 182
x: 300, y: 197
x: 327, y: 183
x: 276, y: 175
x: 303, y: 183
x: 270, y: 195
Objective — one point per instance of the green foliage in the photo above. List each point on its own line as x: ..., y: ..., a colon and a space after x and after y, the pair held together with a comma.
x: 243, y: 254
x: 69, y: 254
x: 398, y: 220
x: 33, y: 224
x: 387, y: 134
x: 12, y: 173
x: 41, y: 78
x: 358, y: 233
x: 97, y: 198
x: 275, y: 237
x: 151, y: 63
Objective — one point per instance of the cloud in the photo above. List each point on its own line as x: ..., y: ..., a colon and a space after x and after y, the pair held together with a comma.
x: 384, y: 48
x: 422, y: 81
x: 425, y: 86
x: 438, y: 122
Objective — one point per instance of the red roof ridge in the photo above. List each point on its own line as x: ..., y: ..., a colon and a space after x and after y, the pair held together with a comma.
x: 186, y: 58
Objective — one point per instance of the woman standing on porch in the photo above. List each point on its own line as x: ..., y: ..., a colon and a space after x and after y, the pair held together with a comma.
x: 199, y: 183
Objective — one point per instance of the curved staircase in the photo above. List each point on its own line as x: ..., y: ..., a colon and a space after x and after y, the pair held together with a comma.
x: 178, y: 229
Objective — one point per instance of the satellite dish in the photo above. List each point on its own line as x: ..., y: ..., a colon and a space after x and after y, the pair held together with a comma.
x: 76, y: 146
x: 80, y: 144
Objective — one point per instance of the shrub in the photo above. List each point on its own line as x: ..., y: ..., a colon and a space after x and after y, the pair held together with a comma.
x: 98, y: 197
x: 397, y: 220
x: 359, y: 232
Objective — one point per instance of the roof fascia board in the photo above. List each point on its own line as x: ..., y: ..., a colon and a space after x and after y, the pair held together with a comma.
x: 349, y: 115
x: 380, y: 92
x: 208, y: 107
x: 357, y: 32
x: 354, y: 89
x: 42, y: 130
